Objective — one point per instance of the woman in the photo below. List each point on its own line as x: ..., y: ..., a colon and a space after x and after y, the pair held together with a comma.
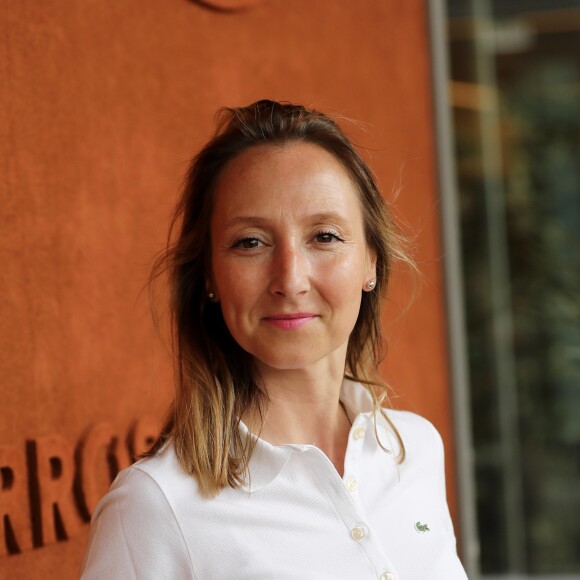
x: 279, y: 460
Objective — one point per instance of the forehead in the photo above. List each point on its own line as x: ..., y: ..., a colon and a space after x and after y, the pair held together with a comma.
x: 301, y: 178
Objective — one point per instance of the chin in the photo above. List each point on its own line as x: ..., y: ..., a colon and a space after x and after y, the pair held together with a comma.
x: 285, y: 363
x: 296, y: 359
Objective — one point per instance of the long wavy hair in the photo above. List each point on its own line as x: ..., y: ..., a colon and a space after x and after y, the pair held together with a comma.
x: 214, y: 379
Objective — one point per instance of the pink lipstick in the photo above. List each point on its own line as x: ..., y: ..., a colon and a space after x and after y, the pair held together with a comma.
x: 290, y: 321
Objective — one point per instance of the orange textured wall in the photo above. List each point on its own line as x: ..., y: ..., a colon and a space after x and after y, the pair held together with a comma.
x: 102, y: 104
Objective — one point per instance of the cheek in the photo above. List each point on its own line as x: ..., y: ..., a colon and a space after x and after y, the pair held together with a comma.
x: 229, y: 278
x: 237, y: 289
x: 342, y: 287
x: 344, y: 275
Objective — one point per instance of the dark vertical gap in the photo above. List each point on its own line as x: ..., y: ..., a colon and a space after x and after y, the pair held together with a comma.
x: 34, y: 493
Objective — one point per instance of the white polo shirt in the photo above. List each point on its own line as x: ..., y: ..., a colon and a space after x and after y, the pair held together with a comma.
x: 297, y: 518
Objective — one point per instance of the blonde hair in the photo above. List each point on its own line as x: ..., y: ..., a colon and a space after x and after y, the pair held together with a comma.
x: 214, y: 379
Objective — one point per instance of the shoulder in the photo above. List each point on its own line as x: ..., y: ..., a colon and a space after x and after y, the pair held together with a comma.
x: 135, y: 530
x: 159, y: 478
x: 422, y: 441
x: 155, y: 487
x: 164, y: 470
x: 413, y: 428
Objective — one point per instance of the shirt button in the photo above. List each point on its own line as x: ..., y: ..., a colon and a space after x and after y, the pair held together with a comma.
x: 387, y: 576
x: 358, y: 533
x: 351, y: 484
x: 359, y: 433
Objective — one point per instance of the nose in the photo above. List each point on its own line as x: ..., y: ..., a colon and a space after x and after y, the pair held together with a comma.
x: 290, y: 271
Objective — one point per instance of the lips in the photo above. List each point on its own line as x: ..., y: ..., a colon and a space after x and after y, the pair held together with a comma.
x: 291, y: 320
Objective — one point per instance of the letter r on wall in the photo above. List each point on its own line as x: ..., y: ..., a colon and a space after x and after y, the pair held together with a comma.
x: 15, y: 528
x: 55, y: 477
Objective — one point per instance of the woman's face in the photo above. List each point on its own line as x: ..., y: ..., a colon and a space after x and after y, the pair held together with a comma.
x: 289, y: 256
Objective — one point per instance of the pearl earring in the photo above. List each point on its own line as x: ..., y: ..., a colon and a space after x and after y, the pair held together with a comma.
x: 371, y: 284
x: 211, y: 295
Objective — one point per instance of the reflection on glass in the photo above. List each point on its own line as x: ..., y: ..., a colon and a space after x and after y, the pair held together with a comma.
x: 516, y: 93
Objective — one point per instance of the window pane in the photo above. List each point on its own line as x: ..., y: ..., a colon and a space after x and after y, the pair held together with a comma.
x: 516, y: 93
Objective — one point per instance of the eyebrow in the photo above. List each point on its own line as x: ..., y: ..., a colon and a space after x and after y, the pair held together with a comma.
x: 314, y: 218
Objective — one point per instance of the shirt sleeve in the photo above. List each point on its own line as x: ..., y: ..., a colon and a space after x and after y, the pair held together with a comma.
x: 134, y: 534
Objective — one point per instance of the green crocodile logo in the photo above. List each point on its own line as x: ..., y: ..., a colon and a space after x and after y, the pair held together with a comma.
x: 422, y: 528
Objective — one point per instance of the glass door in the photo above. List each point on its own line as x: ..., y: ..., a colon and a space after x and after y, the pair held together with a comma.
x: 515, y: 92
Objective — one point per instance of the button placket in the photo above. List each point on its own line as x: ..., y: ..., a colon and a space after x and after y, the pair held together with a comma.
x: 352, y: 459
x: 348, y: 504
x: 352, y: 465
x: 359, y: 432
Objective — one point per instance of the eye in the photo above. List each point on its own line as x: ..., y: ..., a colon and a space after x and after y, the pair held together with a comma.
x: 327, y: 237
x: 248, y: 243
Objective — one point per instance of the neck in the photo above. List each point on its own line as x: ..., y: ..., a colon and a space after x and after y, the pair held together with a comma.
x: 304, y: 408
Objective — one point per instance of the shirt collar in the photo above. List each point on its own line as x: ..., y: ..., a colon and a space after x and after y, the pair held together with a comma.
x: 267, y: 461
x: 356, y: 397
x: 361, y: 411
